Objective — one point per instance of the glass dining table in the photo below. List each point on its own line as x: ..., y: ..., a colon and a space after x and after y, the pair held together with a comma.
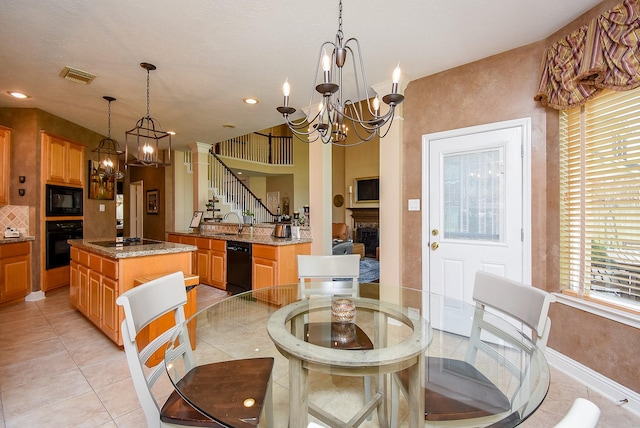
x: 323, y: 383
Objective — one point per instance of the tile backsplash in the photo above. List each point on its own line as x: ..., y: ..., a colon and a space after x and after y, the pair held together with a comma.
x: 15, y: 216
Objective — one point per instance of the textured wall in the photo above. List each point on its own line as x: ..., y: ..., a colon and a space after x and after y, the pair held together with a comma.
x: 495, y: 89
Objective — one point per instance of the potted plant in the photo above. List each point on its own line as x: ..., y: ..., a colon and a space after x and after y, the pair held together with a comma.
x: 247, y: 217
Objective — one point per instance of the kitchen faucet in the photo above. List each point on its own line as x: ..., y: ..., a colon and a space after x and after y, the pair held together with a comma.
x: 240, y: 222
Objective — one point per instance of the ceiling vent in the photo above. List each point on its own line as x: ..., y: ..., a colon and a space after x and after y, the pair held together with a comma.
x: 77, y: 76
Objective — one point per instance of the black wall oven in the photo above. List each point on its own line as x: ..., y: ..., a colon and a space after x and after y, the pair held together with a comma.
x: 58, y: 251
x: 63, y: 201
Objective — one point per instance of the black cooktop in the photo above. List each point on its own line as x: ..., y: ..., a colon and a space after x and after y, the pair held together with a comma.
x: 126, y: 242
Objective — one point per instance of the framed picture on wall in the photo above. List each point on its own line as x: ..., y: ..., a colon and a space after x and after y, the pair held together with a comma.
x: 153, y: 201
x: 101, y: 186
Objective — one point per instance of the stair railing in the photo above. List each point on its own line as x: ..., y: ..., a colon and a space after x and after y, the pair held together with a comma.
x: 256, y: 147
x: 227, y: 184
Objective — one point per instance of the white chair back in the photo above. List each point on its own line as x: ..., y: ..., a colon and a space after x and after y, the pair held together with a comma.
x: 317, y: 275
x: 583, y: 414
x: 523, y: 303
x: 142, y: 305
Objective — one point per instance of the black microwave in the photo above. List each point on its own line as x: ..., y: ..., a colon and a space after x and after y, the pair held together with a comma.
x: 63, y: 201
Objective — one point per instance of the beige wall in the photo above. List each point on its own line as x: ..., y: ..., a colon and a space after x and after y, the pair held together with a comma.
x: 495, y: 89
x: 26, y: 125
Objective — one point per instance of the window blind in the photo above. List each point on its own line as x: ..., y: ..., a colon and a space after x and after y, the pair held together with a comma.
x: 600, y: 199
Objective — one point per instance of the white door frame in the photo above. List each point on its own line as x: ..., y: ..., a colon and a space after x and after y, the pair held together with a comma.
x: 525, y: 125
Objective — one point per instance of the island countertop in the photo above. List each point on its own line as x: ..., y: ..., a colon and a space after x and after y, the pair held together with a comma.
x: 138, y: 250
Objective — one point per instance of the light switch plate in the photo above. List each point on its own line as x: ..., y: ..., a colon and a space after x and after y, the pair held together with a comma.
x: 414, y: 204
x: 101, y: 207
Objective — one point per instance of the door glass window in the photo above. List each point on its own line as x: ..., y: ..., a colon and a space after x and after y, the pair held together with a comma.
x: 472, y: 196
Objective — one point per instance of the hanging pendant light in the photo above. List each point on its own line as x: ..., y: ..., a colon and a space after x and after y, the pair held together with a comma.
x: 152, y: 144
x: 337, y: 116
x: 108, y: 151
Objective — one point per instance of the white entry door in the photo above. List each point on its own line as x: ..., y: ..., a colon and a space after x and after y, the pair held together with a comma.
x: 475, y: 192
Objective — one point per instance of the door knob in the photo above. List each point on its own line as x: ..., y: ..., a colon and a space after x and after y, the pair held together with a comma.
x: 434, y: 246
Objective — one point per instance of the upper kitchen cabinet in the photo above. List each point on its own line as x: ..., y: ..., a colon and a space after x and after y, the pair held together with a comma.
x: 5, y: 163
x: 63, y: 161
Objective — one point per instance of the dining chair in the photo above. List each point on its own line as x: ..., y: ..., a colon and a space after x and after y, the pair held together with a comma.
x: 335, y: 275
x: 582, y: 414
x: 455, y: 389
x: 148, y: 302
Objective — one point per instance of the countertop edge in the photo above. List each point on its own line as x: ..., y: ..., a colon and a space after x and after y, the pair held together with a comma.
x: 245, y: 237
x: 14, y: 240
x: 161, y: 247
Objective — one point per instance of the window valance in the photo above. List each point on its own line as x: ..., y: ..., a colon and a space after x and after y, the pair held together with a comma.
x: 605, y: 53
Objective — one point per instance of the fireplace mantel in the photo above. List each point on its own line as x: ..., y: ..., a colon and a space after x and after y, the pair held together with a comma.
x: 365, y: 215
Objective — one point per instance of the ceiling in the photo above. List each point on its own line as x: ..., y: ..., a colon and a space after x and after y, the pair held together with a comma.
x: 210, y: 54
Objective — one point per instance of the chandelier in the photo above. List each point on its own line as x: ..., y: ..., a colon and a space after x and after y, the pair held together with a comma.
x: 336, y: 114
x: 108, y: 151
x: 148, y: 138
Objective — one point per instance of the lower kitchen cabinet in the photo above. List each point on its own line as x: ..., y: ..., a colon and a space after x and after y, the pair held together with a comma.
x: 210, y: 260
x: 276, y: 265
x: 93, y: 289
x: 15, y: 271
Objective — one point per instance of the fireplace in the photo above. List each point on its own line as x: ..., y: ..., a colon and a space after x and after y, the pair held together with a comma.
x: 369, y: 237
x: 366, y: 228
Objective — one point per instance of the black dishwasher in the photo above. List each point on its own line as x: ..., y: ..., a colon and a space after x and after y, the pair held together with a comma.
x: 238, y: 267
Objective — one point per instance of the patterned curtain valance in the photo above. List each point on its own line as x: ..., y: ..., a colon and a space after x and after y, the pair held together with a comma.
x: 605, y: 53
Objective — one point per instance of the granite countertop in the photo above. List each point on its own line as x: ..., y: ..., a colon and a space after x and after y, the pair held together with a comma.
x: 245, y: 236
x: 14, y: 240
x: 139, y: 250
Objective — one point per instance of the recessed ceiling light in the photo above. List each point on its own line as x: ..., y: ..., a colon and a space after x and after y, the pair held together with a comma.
x: 17, y: 94
x: 171, y: 133
x: 251, y: 100
x: 239, y: 172
x: 228, y: 125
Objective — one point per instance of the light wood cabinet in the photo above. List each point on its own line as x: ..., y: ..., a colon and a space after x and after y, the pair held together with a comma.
x: 94, y: 280
x: 187, y: 240
x: 276, y: 265
x: 218, y: 261
x: 63, y: 161
x: 109, y: 310
x: 95, y: 293
x: 210, y: 259
x: 15, y: 271
x: 5, y: 164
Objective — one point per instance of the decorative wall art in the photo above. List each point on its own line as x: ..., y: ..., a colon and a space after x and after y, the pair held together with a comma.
x: 153, y: 201
x: 101, y: 186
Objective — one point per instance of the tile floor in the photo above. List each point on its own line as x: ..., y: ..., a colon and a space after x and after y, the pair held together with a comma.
x: 58, y: 370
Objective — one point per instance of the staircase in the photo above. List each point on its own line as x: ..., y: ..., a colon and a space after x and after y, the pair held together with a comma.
x: 233, y: 194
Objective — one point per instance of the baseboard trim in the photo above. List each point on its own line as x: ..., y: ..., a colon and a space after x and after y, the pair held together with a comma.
x: 34, y: 296
x: 594, y: 380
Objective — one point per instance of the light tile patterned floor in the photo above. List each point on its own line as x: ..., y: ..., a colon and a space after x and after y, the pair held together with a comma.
x: 58, y: 370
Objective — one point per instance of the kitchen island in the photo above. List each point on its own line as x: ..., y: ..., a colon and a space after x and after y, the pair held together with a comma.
x: 101, y: 270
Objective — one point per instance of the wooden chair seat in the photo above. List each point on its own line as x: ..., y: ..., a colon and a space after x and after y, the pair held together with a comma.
x: 221, y: 388
x: 454, y: 389
x: 177, y: 411
x: 337, y: 335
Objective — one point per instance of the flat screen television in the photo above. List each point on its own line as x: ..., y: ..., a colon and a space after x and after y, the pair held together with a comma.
x: 367, y: 189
